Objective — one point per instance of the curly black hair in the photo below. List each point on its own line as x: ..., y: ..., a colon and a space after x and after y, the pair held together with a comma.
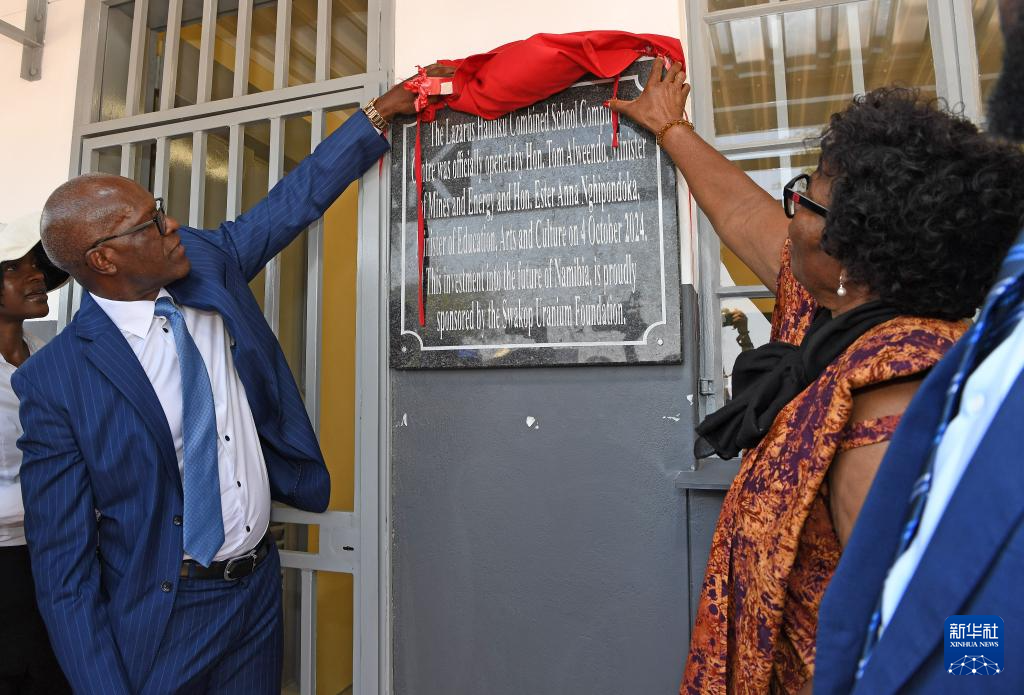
x: 923, y: 205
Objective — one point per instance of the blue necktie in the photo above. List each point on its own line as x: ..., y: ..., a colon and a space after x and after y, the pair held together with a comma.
x: 999, y: 317
x: 203, y: 525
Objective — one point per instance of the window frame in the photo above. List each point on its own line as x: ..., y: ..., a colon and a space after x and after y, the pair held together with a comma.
x: 957, y: 82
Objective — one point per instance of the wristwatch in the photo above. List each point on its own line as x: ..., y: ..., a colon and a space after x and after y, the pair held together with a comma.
x: 378, y: 121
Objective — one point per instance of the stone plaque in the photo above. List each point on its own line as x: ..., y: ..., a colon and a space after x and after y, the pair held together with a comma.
x: 544, y: 244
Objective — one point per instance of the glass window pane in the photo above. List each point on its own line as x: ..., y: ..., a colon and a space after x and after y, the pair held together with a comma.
x: 189, y: 42
x: 338, y: 338
x: 224, y: 39
x: 116, y: 49
x: 742, y: 77
x: 716, y: 5
x: 746, y: 324
x: 179, y: 178
x: 292, y: 293
x: 154, y: 68
x: 108, y: 160
x: 261, y: 47
x: 988, y: 39
x: 771, y: 174
x: 145, y: 162
x: 896, y: 44
x: 255, y: 178
x: 348, y: 37
x: 187, y: 81
x: 819, y: 80
x: 793, y: 70
x: 302, y: 43
x: 215, y: 191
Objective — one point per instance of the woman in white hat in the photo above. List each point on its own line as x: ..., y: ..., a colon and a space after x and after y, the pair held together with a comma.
x: 27, y: 663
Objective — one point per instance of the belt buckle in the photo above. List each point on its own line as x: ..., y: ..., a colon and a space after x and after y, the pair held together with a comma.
x: 234, y: 562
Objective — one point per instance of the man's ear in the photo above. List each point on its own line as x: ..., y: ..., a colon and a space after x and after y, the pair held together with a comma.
x: 100, y: 262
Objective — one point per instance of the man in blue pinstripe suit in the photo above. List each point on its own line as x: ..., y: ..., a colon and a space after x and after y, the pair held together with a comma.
x: 159, y: 425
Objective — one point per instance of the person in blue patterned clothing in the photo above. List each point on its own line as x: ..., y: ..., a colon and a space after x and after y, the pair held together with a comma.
x: 941, y: 532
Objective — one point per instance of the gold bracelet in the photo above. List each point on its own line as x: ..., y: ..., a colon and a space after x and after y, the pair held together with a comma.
x: 378, y: 121
x: 665, y: 128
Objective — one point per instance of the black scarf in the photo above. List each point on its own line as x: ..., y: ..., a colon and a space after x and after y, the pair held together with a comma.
x: 765, y: 379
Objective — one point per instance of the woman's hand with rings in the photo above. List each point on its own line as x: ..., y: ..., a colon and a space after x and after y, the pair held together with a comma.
x: 662, y: 101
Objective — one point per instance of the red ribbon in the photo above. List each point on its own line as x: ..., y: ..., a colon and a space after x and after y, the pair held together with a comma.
x: 615, y: 114
x: 426, y: 111
x: 421, y: 226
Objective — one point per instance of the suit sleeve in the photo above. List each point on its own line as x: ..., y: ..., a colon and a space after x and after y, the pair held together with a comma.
x: 60, y: 525
x: 302, y: 197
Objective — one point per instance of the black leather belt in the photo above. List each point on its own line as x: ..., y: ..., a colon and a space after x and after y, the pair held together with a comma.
x: 232, y: 568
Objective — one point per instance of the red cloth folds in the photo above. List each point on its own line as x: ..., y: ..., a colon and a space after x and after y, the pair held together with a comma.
x: 418, y: 86
x: 521, y: 73
x: 615, y: 114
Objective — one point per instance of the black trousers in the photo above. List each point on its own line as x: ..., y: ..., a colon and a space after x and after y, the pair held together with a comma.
x: 27, y: 663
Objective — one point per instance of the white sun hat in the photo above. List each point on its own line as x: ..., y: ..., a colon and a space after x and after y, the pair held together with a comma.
x: 22, y: 235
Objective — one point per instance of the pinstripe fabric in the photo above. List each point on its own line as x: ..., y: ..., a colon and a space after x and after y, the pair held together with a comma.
x: 223, y: 638
x: 99, y: 474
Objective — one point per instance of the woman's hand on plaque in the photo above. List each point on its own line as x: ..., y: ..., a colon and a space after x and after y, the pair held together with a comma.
x: 399, y: 100
x: 662, y: 101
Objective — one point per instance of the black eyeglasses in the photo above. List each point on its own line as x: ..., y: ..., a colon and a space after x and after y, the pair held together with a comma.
x: 795, y: 193
x: 158, y: 219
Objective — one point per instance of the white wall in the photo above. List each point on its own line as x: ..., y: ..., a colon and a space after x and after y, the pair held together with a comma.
x: 36, y: 118
x: 428, y: 31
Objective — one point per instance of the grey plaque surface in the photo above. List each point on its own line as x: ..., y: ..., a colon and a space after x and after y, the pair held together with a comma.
x: 545, y: 245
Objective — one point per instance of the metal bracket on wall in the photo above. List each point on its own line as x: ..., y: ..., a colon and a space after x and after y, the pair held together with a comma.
x: 713, y: 474
x: 31, y: 39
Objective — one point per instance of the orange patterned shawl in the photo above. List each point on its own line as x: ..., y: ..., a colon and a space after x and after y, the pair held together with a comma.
x: 775, y: 549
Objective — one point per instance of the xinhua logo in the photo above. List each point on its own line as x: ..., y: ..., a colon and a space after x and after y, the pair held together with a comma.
x: 974, y: 645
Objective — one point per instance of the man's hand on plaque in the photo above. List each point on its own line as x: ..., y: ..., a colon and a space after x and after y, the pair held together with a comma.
x: 399, y: 100
x: 662, y: 101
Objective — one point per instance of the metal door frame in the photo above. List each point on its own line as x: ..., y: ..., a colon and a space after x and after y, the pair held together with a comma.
x: 350, y: 542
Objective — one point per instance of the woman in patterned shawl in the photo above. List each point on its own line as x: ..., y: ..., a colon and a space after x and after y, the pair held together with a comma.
x: 876, y: 258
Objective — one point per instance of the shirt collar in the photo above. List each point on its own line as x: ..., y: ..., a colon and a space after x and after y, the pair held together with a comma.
x: 131, y: 317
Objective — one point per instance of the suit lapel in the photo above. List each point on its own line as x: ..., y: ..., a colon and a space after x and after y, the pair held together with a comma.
x: 984, y: 509
x: 109, y: 352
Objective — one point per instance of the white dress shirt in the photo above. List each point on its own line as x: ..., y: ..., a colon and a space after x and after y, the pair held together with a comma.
x: 12, y: 511
x: 244, y: 487
x: 983, y: 394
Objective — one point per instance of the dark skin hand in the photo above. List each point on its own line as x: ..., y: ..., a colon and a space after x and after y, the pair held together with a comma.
x: 746, y: 218
x: 399, y: 100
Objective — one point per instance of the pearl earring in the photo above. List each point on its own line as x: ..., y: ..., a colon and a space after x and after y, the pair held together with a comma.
x: 841, y: 290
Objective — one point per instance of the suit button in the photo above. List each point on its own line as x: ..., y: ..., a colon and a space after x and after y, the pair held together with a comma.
x: 176, y: 520
x: 166, y: 587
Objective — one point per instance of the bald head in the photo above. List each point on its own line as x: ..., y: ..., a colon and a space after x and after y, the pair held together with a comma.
x: 106, y: 232
x: 86, y: 208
